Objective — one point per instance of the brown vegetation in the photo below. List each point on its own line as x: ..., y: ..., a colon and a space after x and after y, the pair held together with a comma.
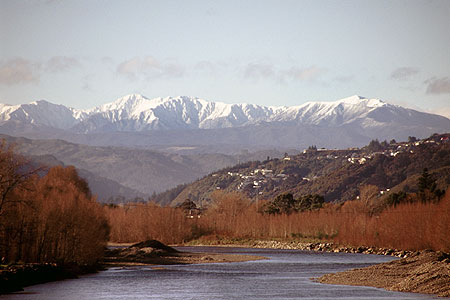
x: 51, y: 218
x: 140, y: 222
x: 410, y: 226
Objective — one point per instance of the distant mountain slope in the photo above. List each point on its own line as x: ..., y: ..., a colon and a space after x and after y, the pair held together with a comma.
x: 352, y: 121
x: 142, y: 172
x: 335, y: 174
x: 42, y: 113
x: 105, y: 189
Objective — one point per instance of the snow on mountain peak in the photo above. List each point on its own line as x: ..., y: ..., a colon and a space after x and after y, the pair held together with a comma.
x: 125, y: 102
x: 135, y: 112
x: 355, y: 99
x: 40, y: 102
x: 359, y: 100
x: 41, y: 112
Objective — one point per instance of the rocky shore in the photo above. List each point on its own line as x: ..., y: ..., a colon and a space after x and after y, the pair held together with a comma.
x: 425, y: 272
x: 310, y: 246
x: 418, y: 271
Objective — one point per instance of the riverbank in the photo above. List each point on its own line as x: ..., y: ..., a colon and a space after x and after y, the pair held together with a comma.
x: 426, y: 272
x: 420, y: 272
x: 300, y: 245
x: 15, y: 277
x: 423, y: 272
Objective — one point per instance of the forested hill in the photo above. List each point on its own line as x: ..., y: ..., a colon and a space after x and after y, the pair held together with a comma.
x: 335, y: 174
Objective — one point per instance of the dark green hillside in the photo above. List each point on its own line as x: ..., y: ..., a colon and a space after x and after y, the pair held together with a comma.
x: 335, y: 174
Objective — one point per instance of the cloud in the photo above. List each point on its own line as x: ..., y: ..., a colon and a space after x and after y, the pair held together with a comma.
x: 211, y: 12
x: 259, y: 70
x: 344, y: 78
x: 61, y: 63
x: 19, y: 71
x: 107, y: 60
x: 404, y: 73
x: 22, y: 71
x: 206, y: 67
x: 308, y: 74
x: 150, y: 68
x: 270, y: 71
x: 438, y: 85
x: 87, y: 83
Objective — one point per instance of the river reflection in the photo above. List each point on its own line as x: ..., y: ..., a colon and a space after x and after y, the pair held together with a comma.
x: 284, y: 275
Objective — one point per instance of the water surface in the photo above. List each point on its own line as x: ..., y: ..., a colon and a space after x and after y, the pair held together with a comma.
x: 284, y: 275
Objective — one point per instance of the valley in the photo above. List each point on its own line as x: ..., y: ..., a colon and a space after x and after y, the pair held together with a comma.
x: 135, y: 147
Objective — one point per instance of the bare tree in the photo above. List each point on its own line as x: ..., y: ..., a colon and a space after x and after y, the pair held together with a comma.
x: 15, y: 170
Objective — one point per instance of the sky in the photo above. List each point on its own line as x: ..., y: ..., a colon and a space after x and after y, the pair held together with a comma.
x: 84, y: 53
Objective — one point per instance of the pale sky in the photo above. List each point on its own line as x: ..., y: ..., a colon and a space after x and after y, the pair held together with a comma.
x: 83, y: 53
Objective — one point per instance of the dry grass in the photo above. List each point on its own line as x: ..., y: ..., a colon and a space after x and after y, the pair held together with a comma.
x: 409, y: 226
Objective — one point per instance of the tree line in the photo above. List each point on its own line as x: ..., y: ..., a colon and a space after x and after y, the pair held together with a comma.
x: 47, y: 215
x: 50, y: 215
x: 370, y: 220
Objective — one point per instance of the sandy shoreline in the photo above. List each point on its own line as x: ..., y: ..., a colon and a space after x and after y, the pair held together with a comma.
x: 425, y: 272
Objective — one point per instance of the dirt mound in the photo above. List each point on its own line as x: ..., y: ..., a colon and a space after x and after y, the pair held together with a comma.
x: 155, y: 245
x: 156, y: 253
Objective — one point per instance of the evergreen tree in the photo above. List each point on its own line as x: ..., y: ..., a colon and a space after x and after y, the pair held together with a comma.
x: 412, y: 139
x: 374, y: 146
x: 428, y: 188
x: 426, y: 182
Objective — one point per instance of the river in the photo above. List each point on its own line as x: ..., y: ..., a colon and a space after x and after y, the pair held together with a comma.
x: 284, y: 275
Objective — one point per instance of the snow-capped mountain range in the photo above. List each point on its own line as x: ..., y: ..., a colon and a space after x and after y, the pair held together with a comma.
x: 195, y: 136
x: 138, y: 113
x: 355, y: 117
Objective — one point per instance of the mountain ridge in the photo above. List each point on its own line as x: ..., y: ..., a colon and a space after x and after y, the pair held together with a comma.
x: 135, y: 112
x: 191, y: 121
